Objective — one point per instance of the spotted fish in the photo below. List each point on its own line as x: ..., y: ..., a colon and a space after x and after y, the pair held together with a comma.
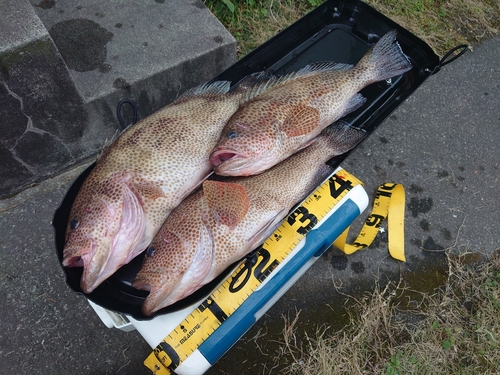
x: 141, y: 177
x: 225, y: 220
x: 288, y: 117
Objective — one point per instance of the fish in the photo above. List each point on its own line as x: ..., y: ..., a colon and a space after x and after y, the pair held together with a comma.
x: 141, y: 176
x: 291, y: 113
x: 226, y: 219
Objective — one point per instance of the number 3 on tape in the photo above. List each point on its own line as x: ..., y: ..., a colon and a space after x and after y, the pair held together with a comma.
x: 389, y: 203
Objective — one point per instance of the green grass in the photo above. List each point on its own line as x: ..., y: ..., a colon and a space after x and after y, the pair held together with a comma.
x: 442, y: 24
x: 252, y: 22
x: 456, y: 330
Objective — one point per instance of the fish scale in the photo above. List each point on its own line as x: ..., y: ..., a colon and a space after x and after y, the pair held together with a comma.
x: 221, y: 223
x: 141, y: 176
x: 289, y: 115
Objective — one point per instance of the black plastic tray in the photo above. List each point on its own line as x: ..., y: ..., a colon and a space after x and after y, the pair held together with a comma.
x: 340, y: 31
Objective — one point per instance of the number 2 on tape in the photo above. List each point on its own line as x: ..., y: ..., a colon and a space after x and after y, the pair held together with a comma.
x: 210, y: 314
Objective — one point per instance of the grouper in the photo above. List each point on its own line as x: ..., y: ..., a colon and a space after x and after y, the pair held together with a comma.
x: 141, y: 176
x: 224, y: 220
x: 289, y: 116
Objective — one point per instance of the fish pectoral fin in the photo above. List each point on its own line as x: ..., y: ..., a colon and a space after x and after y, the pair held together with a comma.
x: 228, y: 202
x: 301, y: 121
x: 267, y: 229
x: 146, y: 189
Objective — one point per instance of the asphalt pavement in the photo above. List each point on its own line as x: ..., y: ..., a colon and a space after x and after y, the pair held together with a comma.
x: 442, y: 144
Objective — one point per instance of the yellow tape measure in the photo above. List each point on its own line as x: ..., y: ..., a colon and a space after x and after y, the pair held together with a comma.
x: 249, y: 275
x: 389, y: 203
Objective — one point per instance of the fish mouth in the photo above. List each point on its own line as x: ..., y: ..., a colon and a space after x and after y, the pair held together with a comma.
x: 230, y: 163
x: 82, y: 256
x: 141, y: 283
x: 74, y: 261
x: 221, y: 156
x: 73, y: 256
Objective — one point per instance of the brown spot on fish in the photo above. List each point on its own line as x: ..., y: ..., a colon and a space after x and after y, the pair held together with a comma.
x: 140, y: 177
x: 221, y: 223
x: 295, y: 108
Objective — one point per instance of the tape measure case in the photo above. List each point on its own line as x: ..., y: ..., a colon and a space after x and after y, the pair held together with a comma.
x: 340, y: 31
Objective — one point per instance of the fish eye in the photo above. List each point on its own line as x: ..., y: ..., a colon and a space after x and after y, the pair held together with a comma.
x: 232, y: 135
x: 73, y: 224
x: 150, y: 251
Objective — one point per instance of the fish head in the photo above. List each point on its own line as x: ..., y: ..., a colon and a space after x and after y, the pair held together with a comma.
x: 93, y: 231
x: 187, y: 251
x: 161, y: 270
x: 245, y: 148
x: 175, y: 265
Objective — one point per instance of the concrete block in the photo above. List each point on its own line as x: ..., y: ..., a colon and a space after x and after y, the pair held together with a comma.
x: 110, y: 46
x: 64, y: 66
x: 42, y: 112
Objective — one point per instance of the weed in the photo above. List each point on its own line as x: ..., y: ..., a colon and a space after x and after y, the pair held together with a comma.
x: 457, y: 333
x: 252, y: 22
x: 442, y: 24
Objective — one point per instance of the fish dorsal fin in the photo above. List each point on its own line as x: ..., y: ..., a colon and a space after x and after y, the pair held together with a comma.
x: 301, y: 121
x: 260, y: 82
x: 217, y: 87
x: 107, y: 145
x: 322, y: 66
x: 228, y: 201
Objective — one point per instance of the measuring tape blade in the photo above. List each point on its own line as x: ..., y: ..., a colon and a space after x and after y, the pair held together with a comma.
x: 249, y: 275
x: 389, y: 203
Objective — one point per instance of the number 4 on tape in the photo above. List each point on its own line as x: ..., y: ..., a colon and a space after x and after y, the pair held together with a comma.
x: 389, y: 203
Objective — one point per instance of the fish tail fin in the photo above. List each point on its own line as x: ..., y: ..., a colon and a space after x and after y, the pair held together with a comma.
x: 342, y: 136
x: 385, y: 60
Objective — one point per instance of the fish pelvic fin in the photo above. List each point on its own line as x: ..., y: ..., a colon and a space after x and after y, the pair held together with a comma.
x: 385, y: 59
x: 228, y: 202
x: 342, y: 137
